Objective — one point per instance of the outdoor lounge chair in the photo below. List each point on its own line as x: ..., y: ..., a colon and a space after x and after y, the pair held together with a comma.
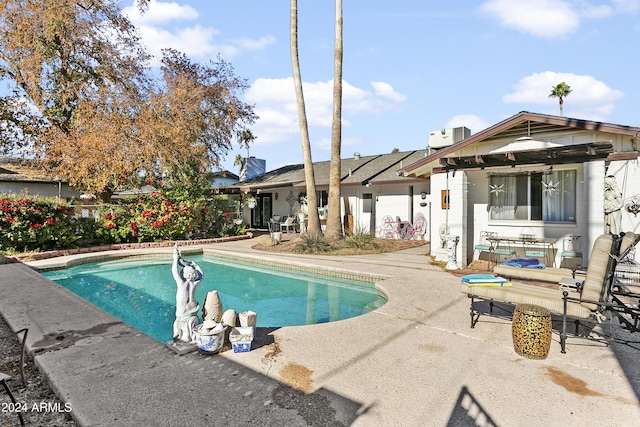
x: 584, y: 301
x: 288, y: 224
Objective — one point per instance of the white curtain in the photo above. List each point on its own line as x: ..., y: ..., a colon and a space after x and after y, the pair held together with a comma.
x: 503, y: 197
x: 559, y: 196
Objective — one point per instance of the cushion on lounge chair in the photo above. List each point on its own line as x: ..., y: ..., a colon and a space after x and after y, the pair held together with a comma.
x: 594, y: 288
x: 553, y: 275
x: 520, y: 293
x: 629, y: 241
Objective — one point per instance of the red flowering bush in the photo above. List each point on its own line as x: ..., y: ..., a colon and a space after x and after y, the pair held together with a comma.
x: 162, y: 216
x: 34, y: 223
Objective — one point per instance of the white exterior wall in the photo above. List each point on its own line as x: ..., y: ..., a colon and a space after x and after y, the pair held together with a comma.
x: 390, y: 200
x: 39, y: 188
x: 469, y: 214
x: 589, y: 206
x: 395, y: 201
x: 456, y: 216
x: 594, y: 214
x: 589, y: 198
x: 478, y: 197
x: 627, y: 175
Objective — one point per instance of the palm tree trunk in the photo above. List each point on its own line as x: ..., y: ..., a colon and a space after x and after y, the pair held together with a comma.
x: 561, y: 112
x: 334, y: 223
x: 309, y: 177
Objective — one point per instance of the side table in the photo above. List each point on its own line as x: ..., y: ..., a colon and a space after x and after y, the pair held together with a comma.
x: 531, y: 331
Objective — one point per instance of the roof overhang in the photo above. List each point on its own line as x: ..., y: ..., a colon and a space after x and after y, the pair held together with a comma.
x: 529, y: 125
x: 579, y: 153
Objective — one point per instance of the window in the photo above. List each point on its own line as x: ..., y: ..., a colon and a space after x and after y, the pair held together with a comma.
x: 537, y: 196
x: 367, y: 202
x: 323, y: 198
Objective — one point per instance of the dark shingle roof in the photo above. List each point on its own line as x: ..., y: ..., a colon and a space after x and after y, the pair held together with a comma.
x: 21, y: 170
x: 358, y: 170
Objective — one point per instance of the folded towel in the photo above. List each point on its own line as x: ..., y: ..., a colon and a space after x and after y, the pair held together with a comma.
x: 523, y: 263
x: 511, y: 264
x: 494, y: 280
x: 527, y: 261
x: 477, y: 276
x: 482, y: 278
x: 496, y: 284
x: 540, y: 265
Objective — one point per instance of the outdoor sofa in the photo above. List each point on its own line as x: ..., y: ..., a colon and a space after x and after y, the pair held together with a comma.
x: 582, y: 300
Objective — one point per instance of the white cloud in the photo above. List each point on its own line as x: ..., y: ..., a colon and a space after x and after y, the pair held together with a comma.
x: 599, y: 11
x: 628, y: 6
x: 196, y: 41
x: 589, y: 97
x: 540, y: 18
x: 160, y: 13
x: 275, y: 104
x: 470, y: 121
x: 250, y: 44
x: 386, y: 90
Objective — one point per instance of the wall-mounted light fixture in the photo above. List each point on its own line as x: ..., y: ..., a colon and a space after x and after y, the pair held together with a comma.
x: 423, y: 195
x: 276, y: 196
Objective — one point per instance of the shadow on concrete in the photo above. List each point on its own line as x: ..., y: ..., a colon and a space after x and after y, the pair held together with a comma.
x: 608, y: 332
x: 469, y: 412
x: 105, y: 383
x: 263, y: 337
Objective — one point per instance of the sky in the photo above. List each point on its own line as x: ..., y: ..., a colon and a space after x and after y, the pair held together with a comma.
x: 409, y: 66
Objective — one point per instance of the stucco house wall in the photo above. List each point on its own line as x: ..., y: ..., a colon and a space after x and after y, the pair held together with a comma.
x: 508, y: 140
x: 395, y: 200
x: 370, y: 188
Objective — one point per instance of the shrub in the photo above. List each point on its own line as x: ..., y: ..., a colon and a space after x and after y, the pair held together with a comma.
x: 165, y: 216
x: 361, y: 239
x: 314, y: 243
x: 34, y: 223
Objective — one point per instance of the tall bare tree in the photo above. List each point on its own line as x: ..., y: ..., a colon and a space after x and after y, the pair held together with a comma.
x: 58, y: 52
x: 309, y: 176
x: 92, y: 111
x: 334, y: 222
x: 560, y: 91
x: 177, y: 131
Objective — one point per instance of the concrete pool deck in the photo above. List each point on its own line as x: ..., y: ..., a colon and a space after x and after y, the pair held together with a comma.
x: 413, y: 362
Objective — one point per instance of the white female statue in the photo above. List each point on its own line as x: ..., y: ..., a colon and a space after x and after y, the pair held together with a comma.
x: 612, y: 205
x: 187, y: 307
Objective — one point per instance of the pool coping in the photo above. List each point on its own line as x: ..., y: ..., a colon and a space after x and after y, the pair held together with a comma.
x: 78, y: 259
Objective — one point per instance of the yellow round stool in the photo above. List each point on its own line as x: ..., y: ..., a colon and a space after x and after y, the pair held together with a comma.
x: 531, y: 331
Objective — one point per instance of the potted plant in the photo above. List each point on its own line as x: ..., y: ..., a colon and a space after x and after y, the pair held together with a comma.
x: 322, y: 212
x: 251, y: 202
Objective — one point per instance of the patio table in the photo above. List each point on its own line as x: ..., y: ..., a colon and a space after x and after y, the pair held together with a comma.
x: 544, y: 243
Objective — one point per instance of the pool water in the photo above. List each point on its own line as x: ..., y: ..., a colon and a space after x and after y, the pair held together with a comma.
x: 142, y: 292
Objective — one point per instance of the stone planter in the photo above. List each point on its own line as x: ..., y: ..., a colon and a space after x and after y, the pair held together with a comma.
x: 209, y: 343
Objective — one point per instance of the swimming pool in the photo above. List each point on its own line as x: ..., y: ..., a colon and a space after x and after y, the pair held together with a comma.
x: 142, y: 292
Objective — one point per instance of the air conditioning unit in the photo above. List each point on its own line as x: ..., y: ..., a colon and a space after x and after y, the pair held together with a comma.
x: 446, y: 137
